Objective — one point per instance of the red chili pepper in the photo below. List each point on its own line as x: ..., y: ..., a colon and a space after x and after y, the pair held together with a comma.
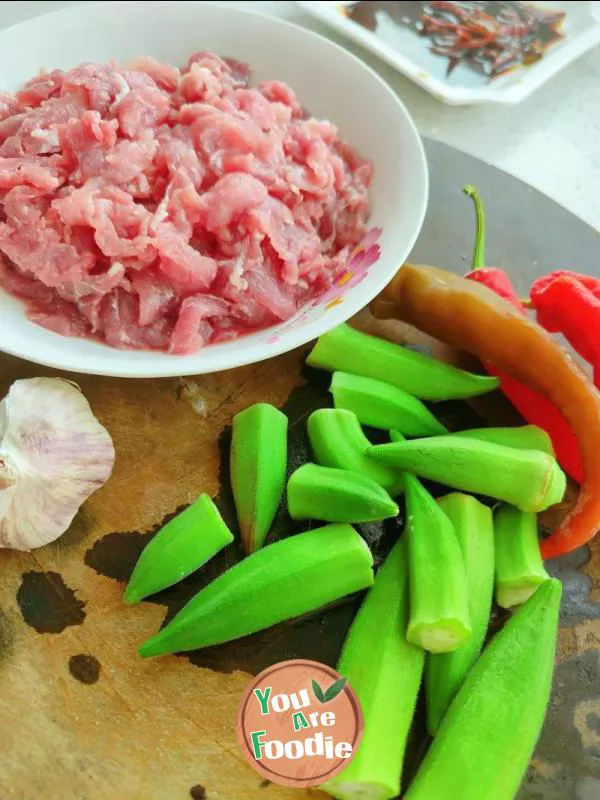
x: 568, y: 303
x: 533, y: 407
x: 589, y: 281
x: 498, y: 280
x: 538, y: 410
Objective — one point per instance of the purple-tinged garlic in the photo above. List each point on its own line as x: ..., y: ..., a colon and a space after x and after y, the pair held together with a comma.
x: 53, y: 455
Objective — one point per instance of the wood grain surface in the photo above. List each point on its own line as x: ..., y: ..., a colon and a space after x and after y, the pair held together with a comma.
x: 83, y: 717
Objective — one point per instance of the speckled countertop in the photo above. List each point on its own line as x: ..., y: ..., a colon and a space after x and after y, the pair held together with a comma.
x: 551, y: 140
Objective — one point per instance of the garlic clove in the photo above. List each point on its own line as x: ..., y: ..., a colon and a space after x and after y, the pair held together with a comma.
x: 53, y: 455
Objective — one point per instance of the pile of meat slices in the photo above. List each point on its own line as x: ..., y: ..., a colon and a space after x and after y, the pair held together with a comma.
x: 158, y: 208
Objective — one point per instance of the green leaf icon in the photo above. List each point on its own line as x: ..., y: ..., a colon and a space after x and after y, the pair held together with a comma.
x: 334, y: 690
x: 318, y: 692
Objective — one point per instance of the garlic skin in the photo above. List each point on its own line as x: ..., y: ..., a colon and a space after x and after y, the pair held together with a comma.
x: 53, y: 455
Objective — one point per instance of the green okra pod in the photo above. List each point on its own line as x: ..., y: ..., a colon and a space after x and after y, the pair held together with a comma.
x: 346, y: 349
x: 396, y: 436
x: 181, y: 547
x: 278, y: 582
x: 487, y: 738
x: 258, y: 465
x: 337, y: 495
x: 519, y: 566
x: 385, y: 671
x: 337, y: 440
x: 445, y: 672
x: 439, y: 613
x: 528, y: 479
x: 523, y: 437
x: 383, y: 405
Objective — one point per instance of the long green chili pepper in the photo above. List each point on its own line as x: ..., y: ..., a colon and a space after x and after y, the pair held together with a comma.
x: 439, y: 613
x: 278, y: 582
x: 337, y: 495
x: 385, y: 671
x: 445, y: 672
x: 528, y: 479
x: 346, y: 349
x: 337, y: 440
x: 181, y: 547
x: 258, y: 465
x: 486, y: 739
x: 519, y: 566
x: 382, y: 405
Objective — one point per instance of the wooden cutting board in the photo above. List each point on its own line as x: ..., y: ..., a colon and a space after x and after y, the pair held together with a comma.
x: 83, y: 717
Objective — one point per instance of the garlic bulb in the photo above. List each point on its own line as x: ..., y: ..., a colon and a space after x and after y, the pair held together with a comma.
x: 53, y: 455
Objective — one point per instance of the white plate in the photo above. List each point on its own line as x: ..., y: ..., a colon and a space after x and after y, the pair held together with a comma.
x: 353, y: 96
x: 410, y: 53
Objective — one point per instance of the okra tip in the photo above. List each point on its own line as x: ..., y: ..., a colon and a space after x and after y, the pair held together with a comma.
x: 130, y: 596
x: 153, y: 647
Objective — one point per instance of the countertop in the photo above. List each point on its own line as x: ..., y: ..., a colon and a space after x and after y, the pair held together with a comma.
x: 551, y: 140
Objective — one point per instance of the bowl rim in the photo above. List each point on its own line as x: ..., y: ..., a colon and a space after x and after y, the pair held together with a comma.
x: 167, y: 365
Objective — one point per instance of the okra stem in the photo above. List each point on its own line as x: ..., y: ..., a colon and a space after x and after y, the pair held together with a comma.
x: 486, y: 739
x: 527, y: 479
x: 519, y: 566
x: 346, y: 349
x: 445, y: 672
x: 439, y: 613
x: 337, y: 440
x: 385, y: 671
x: 337, y: 495
x: 181, y: 547
x: 382, y: 405
x: 278, y: 582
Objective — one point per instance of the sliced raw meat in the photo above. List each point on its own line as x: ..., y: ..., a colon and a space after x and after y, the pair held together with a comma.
x: 231, y: 196
x: 185, y: 268
x: 165, y: 76
x: 41, y: 88
x: 157, y: 208
x: 142, y: 109
x: 192, y: 329
x: 32, y: 171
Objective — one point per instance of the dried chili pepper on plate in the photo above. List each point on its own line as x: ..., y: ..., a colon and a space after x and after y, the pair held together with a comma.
x: 533, y: 407
x: 471, y: 317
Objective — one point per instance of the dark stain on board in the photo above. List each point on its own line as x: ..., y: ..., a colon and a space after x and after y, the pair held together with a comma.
x: 198, y: 792
x: 84, y: 668
x: 115, y: 555
x: 47, y: 604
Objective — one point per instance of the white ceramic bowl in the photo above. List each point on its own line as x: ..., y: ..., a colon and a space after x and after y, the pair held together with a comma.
x: 328, y: 80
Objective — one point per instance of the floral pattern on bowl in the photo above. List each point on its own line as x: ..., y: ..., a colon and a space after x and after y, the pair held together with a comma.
x: 360, y: 261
